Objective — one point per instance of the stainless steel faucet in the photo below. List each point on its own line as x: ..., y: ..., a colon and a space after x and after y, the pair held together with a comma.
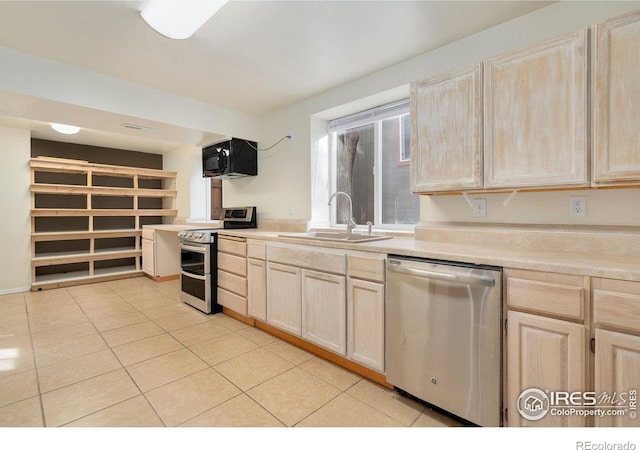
x: 351, y: 224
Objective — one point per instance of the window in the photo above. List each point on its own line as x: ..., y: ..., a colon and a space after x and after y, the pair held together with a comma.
x: 371, y: 152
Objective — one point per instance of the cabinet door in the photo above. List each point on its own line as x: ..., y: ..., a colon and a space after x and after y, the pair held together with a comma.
x: 324, y: 310
x: 284, y: 297
x: 547, y: 354
x: 257, y: 288
x: 617, y: 372
x: 148, y: 257
x: 446, y: 132
x: 167, y: 253
x: 535, y: 115
x: 365, y: 323
x: 616, y: 100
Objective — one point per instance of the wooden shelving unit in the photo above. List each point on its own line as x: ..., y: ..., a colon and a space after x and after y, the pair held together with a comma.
x: 86, y: 219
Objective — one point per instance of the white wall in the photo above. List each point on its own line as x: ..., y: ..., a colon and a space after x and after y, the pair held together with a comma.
x: 41, y: 78
x: 604, y: 207
x: 281, y: 189
x: 284, y: 187
x: 15, y: 210
x: 187, y: 161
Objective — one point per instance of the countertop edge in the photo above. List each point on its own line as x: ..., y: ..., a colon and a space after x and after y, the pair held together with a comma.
x: 607, y: 266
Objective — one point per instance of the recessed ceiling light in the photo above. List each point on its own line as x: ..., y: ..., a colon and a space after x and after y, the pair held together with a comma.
x: 179, y: 20
x: 65, y: 129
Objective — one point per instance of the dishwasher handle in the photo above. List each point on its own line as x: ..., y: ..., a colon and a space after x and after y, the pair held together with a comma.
x: 443, y: 276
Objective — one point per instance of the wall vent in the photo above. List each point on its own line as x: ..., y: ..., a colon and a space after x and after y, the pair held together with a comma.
x: 134, y: 126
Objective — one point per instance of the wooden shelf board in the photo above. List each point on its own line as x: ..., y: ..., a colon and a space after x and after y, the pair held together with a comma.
x: 71, y: 189
x: 52, y: 212
x: 45, y: 236
x: 82, y: 277
x: 70, y: 166
x: 58, y: 258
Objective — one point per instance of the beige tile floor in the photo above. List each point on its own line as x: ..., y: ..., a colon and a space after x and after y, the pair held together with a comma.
x: 128, y: 353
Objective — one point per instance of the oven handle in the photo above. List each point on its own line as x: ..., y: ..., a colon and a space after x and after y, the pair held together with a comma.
x: 202, y: 250
x: 193, y: 275
x: 443, y: 276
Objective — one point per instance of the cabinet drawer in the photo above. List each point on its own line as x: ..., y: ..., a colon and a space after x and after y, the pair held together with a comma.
x: 232, y: 263
x: 233, y: 283
x: 366, y: 267
x: 148, y: 233
x: 232, y: 246
x: 547, y: 293
x: 616, y: 304
x: 257, y: 250
x: 308, y: 258
x: 232, y: 301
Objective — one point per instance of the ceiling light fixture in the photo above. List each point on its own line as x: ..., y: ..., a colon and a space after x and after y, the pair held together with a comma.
x: 65, y: 129
x: 179, y: 19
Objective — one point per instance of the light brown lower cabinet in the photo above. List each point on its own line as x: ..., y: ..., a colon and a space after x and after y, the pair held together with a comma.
x: 309, y: 304
x: 547, y: 354
x: 232, y: 273
x: 331, y: 298
x: 257, y: 279
x: 547, y: 332
x: 284, y: 297
x: 324, y: 310
x: 365, y: 322
x: 617, y: 375
x: 257, y: 288
x: 616, y: 316
x: 573, y: 334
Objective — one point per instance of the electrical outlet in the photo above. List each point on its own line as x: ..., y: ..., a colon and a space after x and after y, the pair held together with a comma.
x: 479, y: 207
x: 577, y: 206
x: 292, y: 209
x: 290, y: 134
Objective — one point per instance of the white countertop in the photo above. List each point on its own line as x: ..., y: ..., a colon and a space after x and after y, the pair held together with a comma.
x: 175, y: 227
x: 576, y: 263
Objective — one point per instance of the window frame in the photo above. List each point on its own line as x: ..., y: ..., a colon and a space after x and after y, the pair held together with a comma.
x: 333, y: 131
x: 402, y: 160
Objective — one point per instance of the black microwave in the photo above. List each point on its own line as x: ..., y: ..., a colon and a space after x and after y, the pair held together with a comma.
x: 234, y: 158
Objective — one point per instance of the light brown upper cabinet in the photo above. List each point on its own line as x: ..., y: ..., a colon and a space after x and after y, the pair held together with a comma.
x: 535, y: 115
x: 446, y: 132
x: 616, y: 101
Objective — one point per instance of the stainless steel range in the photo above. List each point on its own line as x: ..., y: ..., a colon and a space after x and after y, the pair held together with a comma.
x: 199, y: 259
x: 198, y: 269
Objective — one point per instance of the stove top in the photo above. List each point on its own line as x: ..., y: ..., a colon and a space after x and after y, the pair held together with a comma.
x: 201, y: 235
x: 234, y: 218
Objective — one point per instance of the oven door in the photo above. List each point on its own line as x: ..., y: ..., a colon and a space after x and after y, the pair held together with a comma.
x: 196, y: 290
x: 195, y: 259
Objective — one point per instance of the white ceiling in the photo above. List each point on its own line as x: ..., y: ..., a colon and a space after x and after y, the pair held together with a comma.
x: 252, y: 56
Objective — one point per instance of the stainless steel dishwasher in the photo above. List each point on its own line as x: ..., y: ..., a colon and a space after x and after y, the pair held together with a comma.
x: 443, y: 331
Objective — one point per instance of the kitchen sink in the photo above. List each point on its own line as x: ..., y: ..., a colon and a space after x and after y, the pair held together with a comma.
x: 334, y: 236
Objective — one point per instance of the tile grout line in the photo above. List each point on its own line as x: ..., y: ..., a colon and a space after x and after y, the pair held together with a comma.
x: 122, y: 367
x: 90, y: 321
x: 237, y: 331
x: 35, y: 365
